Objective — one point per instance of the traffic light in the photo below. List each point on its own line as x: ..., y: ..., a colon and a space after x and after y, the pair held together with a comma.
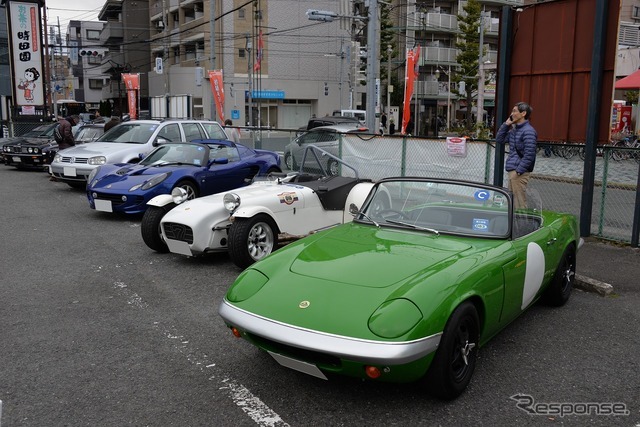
x: 88, y: 53
x: 326, y: 89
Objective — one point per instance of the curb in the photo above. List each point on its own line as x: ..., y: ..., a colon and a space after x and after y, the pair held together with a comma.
x: 591, y: 285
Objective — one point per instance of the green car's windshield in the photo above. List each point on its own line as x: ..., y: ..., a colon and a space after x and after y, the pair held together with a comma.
x: 132, y: 133
x: 177, y: 154
x: 436, y: 206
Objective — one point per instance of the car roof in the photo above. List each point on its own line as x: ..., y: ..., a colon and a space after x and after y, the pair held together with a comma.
x: 350, y: 127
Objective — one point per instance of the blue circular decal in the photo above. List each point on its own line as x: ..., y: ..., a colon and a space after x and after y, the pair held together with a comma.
x: 482, y: 195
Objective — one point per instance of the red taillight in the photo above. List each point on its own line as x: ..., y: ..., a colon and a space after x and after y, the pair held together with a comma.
x: 372, y: 372
x: 236, y: 332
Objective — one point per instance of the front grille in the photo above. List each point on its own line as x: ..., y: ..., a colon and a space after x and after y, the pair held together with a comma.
x: 175, y: 231
x: 116, y: 199
x: 82, y: 160
x: 308, y: 356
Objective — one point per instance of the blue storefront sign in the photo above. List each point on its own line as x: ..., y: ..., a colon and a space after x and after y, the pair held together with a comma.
x: 235, y: 114
x: 265, y: 94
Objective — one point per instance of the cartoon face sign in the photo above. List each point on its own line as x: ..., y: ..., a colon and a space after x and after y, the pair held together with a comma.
x: 28, y: 84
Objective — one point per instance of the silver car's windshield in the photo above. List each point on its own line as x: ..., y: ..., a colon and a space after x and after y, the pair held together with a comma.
x: 133, y: 133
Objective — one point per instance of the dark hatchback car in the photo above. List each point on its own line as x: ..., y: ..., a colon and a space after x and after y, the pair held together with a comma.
x: 34, y: 149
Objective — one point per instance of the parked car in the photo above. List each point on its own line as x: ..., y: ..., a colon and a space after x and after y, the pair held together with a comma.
x: 128, y: 142
x: 89, y: 132
x: 34, y: 149
x: 315, y: 122
x: 200, y: 169
x: 249, y: 222
x: 324, y: 137
x: 410, y: 292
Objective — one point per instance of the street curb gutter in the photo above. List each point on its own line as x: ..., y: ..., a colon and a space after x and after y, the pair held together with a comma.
x: 592, y: 285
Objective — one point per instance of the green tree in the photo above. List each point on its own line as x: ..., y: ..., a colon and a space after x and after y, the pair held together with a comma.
x: 468, y: 44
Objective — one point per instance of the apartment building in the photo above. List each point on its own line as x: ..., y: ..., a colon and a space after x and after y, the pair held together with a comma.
x: 85, y: 56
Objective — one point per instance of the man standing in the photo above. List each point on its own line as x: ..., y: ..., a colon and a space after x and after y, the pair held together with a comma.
x: 522, y: 139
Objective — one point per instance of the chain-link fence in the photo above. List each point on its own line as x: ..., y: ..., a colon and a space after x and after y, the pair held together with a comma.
x: 558, y: 173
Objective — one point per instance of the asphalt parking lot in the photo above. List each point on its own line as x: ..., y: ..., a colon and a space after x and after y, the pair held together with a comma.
x: 98, y: 330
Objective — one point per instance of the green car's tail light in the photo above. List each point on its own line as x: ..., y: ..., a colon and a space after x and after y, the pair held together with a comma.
x: 394, y: 318
x: 247, y: 284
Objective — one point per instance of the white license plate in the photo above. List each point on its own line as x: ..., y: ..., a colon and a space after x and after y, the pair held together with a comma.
x: 17, y: 159
x: 178, y: 247
x: 304, y: 367
x: 68, y: 171
x: 103, y: 205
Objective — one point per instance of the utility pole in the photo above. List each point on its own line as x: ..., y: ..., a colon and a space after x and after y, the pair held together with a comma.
x: 480, y: 107
x: 389, y: 87
x: 250, y: 100
x: 372, y: 60
x: 167, y: 81
x: 212, y: 48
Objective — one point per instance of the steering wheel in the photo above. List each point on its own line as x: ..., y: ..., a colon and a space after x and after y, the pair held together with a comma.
x: 392, y: 211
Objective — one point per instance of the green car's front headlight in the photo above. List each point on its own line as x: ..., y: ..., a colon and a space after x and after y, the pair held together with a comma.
x: 248, y: 283
x: 394, y: 318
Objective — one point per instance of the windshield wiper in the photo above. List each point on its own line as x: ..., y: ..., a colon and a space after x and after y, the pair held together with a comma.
x: 369, y: 218
x: 406, y: 224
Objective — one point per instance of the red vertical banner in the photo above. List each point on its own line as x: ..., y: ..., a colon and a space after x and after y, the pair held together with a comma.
x: 217, y: 89
x: 410, y: 76
x: 257, y: 65
x: 132, y: 83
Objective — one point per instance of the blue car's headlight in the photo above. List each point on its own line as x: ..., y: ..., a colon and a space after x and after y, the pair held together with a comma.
x: 150, y: 183
x: 97, y: 160
x: 92, y: 175
x: 394, y: 318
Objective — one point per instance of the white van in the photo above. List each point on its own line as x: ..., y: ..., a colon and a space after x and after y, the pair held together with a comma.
x: 358, y: 114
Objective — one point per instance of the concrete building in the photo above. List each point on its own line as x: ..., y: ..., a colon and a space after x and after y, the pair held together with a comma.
x: 125, y: 38
x: 86, y: 55
x: 304, y: 67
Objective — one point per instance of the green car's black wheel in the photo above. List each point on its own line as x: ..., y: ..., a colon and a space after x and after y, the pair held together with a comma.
x: 252, y: 239
x: 333, y: 168
x: 559, y: 290
x: 150, y: 227
x: 455, y: 359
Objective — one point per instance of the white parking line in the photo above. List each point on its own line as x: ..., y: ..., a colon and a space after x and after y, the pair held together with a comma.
x: 251, y: 405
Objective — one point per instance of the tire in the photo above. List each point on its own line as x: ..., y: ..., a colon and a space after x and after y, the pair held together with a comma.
x: 150, y: 227
x: 333, y: 168
x: 455, y: 360
x: 252, y: 239
x: 290, y: 162
x: 190, y: 188
x: 559, y: 290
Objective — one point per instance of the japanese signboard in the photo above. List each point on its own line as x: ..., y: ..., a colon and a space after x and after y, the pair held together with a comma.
x: 26, y: 55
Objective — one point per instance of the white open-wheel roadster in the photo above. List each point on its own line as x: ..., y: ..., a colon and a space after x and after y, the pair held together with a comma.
x: 251, y: 221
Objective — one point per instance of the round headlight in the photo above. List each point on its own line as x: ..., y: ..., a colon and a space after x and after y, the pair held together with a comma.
x: 231, y: 201
x: 57, y: 158
x: 394, y: 318
x: 98, y: 160
x: 30, y: 150
x: 179, y: 195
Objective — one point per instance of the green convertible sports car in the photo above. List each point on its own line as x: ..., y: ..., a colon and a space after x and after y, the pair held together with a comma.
x: 428, y: 272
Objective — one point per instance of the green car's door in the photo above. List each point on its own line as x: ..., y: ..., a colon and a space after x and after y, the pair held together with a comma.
x: 532, y: 267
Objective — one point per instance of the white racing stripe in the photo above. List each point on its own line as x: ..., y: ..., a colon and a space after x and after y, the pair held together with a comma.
x: 251, y: 405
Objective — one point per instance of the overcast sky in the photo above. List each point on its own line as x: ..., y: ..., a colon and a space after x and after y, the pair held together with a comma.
x: 67, y: 10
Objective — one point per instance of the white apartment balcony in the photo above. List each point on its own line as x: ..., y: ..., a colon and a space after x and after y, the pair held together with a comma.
x: 437, y: 55
x: 111, y: 32
x: 432, y: 22
x: 502, y: 2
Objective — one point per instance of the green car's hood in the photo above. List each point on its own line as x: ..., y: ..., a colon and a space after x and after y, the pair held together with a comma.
x: 374, y: 257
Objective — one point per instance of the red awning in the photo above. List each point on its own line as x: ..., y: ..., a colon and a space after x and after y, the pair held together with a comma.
x: 632, y: 81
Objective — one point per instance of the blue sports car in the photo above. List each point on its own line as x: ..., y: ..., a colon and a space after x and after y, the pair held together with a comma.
x: 200, y: 168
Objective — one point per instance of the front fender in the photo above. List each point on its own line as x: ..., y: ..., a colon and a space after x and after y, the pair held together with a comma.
x: 161, y: 200
x: 251, y: 211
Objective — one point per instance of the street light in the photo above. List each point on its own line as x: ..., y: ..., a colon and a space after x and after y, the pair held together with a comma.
x: 448, y: 73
